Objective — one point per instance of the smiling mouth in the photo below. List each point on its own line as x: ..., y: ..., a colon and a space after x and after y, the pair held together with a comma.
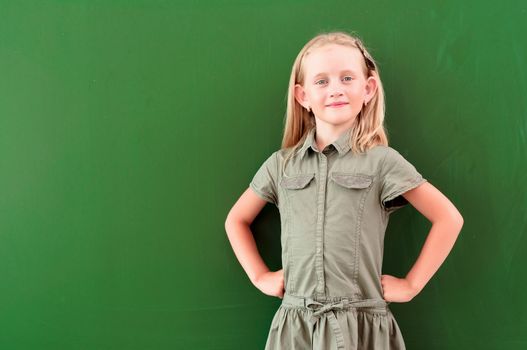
x: 338, y: 105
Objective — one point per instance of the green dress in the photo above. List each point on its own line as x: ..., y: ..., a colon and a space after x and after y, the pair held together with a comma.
x: 334, y: 208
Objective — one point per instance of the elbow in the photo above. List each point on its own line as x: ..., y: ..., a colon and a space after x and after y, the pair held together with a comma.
x: 454, y: 217
x: 451, y: 217
x: 229, y: 228
x: 230, y: 222
x: 458, y: 220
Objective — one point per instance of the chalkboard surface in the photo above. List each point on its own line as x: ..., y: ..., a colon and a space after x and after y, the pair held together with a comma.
x: 128, y: 129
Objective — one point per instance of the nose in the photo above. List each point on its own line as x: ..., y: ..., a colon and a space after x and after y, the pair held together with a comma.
x: 335, y: 89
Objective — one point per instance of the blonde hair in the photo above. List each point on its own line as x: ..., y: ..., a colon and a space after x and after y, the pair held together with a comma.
x: 368, y: 129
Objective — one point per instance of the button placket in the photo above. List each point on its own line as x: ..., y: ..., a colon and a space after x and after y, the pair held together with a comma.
x: 321, y: 199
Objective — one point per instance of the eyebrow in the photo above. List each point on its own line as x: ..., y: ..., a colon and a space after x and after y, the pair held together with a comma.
x: 344, y: 71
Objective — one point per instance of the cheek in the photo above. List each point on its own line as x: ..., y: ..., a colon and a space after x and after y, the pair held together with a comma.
x: 356, y: 101
x: 356, y: 95
x: 318, y: 98
x: 356, y: 90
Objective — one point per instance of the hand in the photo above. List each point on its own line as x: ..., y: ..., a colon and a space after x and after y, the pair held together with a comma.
x: 397, y: 289
x: 271, y: 283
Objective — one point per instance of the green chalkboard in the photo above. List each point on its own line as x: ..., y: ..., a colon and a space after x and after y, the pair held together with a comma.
x: 128, y: 129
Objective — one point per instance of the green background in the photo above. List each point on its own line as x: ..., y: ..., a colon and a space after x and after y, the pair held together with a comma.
x: 128, y: 129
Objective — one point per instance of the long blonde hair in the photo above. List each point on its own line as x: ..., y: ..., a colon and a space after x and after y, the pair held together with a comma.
x: 368, y: 127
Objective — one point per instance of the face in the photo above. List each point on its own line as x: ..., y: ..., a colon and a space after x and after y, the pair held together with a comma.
x: 335, y: 73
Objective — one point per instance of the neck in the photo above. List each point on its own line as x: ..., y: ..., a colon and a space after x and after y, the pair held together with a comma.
x: 327, y: 133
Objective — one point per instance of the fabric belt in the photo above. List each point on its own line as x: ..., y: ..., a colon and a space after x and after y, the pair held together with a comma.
x: 321, y: 307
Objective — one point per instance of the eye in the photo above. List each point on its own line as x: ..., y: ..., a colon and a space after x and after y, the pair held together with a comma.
x: 345, y: 78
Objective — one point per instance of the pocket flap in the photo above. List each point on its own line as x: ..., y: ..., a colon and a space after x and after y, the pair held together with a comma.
x: 352, y: 180
x: 295, y: 182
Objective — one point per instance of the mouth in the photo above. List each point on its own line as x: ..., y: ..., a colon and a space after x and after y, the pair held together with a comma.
x: 337, y: 105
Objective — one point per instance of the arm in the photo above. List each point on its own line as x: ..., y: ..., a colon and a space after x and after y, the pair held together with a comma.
x: 237, y: 226
x: 446, y: 225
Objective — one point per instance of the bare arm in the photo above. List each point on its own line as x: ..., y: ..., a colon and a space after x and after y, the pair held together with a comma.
x: 446, y: 225
x: 237, y: 226
x: 242, y: 241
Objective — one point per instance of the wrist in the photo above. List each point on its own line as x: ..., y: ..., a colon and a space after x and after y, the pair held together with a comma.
x: 414, y: 286
x: 256, y: 276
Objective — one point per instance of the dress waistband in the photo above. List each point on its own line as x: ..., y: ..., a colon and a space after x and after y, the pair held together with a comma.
x: 320, y: 307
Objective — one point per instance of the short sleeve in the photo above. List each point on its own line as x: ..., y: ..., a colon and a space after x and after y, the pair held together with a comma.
x: 265, y: 179
x: 397, y: 176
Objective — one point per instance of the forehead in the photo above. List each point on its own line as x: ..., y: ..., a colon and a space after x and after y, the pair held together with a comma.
x: 333, y: 58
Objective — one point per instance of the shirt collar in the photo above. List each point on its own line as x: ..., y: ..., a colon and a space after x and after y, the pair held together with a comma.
x: 341, y: 143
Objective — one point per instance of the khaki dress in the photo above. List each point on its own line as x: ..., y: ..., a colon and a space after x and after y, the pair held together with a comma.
x: 334, y: 208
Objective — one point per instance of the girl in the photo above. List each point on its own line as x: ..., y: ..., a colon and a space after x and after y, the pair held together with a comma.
x: 336, y: 181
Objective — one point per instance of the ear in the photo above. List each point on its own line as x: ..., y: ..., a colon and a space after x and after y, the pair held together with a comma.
x: 370, y: 88
x: 300, y: 95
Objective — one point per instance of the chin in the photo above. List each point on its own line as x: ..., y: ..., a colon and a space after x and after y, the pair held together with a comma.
x: 339, y: 119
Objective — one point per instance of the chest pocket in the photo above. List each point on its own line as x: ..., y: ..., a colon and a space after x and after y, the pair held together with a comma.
x: 350, y: 190
x: 300, y: 189
x: 296, y: 182
x: 300, y: 207
x: 353, y: 181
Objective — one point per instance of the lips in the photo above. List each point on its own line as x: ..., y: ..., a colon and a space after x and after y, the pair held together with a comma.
x: 336, y: 104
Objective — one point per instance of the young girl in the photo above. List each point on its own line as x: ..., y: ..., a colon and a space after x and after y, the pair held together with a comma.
x: 335, y: 182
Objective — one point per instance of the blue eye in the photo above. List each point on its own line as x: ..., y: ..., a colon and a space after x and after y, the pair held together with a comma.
x: 349, y: 77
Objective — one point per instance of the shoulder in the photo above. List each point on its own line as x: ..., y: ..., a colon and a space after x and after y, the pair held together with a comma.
x: 382, y: 150
x: 376, y: 154
x: 379, y: 158
x: 277, y: 157
x: 284, y: 154
x: 386, y: 153
x: 271, y: 157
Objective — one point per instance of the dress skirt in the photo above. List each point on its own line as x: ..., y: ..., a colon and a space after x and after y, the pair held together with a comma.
x: 302, y: 323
